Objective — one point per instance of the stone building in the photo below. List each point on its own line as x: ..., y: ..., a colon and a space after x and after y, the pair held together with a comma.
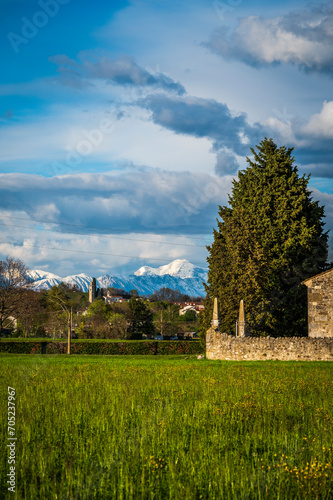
x: 320, y: 304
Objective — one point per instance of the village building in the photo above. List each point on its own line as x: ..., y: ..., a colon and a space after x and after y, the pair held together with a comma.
x: 197, y: 307
x: 112, y: 299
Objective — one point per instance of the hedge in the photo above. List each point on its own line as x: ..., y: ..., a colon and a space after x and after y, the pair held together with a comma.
x: 21, y: 347
x: 102, y: 347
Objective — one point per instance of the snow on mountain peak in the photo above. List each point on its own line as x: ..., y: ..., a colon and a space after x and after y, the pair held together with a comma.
x: 82, y: 280
x: 180, y: 268
x: 146, y: 271
x: 37, y: 274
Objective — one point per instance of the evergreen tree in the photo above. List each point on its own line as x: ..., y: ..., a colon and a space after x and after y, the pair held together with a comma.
x: 140, y: 319
x: 271, y: 237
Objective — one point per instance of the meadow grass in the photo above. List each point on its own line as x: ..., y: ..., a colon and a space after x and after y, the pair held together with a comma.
x: 173, y: 427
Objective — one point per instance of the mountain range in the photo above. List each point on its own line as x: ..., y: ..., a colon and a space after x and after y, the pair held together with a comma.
x: 179, y: 274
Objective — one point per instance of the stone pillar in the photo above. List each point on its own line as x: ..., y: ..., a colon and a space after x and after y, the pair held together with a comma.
x: 216, y: 317
x: 242, y: 330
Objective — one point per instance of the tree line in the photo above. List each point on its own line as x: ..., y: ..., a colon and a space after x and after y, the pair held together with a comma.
x: 25, y: 312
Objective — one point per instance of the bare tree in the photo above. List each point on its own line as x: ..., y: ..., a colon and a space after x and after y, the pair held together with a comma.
x: 14, y: 279
x: 58, y: 300
x: 31, y: 314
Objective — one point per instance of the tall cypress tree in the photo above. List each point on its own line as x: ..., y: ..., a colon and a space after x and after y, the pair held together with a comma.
x: 269, y: 239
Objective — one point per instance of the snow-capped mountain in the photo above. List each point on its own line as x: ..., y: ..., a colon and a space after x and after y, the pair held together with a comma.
x: 37, y: 274
x: 179, y: 268
x: 81, y: 280
x: 42, y: 280
x: 179, y: 274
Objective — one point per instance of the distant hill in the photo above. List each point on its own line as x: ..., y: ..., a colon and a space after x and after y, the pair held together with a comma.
x: 179, y: 274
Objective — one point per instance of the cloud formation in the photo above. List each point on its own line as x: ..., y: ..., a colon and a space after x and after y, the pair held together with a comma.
x: 321, y: 124
x: 122, y: 71
x: 201, y: 117
x: 226, y: 164
x: 232, y: 135
x: 141, y: 199
x: 312, y: 139
x: 303, y: 38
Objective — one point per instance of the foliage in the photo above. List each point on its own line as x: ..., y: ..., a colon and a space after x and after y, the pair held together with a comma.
x: 21, y: 346
x: 189, y: 315
x: 111, y: 348
x: 67, y: 288
x: 99, y: 308
x: 58, y: 304
x: 119, y: 291
x: 102, y: 321
x: 169, y: 295
x: 31, y: 315
x: 118, y: 325
x: 268, y: 241
x: 102, y: 347
x: 140, y: 319
x: 166, y: 320
x: 132, y: 428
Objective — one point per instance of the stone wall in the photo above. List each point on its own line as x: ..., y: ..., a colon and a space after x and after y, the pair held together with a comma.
x: 222, y: 346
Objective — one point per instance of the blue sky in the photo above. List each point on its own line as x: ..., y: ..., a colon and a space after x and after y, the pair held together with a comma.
x: 124, y: 123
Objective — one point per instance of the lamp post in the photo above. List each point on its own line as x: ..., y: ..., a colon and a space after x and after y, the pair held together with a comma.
x: 60, y: 302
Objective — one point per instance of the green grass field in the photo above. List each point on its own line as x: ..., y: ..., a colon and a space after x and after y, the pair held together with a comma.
x: 168, y: 428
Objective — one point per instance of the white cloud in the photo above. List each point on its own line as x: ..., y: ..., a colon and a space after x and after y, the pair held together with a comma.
x: 303, y: 38
x: 321, y: 124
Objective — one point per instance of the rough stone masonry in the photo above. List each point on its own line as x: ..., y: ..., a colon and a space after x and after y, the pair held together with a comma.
x: 223, y: 346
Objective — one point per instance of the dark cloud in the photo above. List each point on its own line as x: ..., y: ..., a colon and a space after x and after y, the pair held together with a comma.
x: 121, y: 71
x: 303, y: 38
x: 202, y: 118
x: 225, y: 164
x: 315, y: 160
x: 148, y: 200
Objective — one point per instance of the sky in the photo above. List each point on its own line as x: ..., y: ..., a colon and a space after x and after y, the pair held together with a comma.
x: 123, y: 124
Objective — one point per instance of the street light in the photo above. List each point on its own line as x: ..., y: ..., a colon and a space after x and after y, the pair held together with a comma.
x: 59, y: 301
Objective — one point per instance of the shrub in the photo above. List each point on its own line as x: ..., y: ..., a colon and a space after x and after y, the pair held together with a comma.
x: 132, y: 347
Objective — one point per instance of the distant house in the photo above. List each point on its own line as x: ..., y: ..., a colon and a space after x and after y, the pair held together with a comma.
x: 320, y: 304
x: 190, y: 306
x: 112, y: 299
x: 185, y: 309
